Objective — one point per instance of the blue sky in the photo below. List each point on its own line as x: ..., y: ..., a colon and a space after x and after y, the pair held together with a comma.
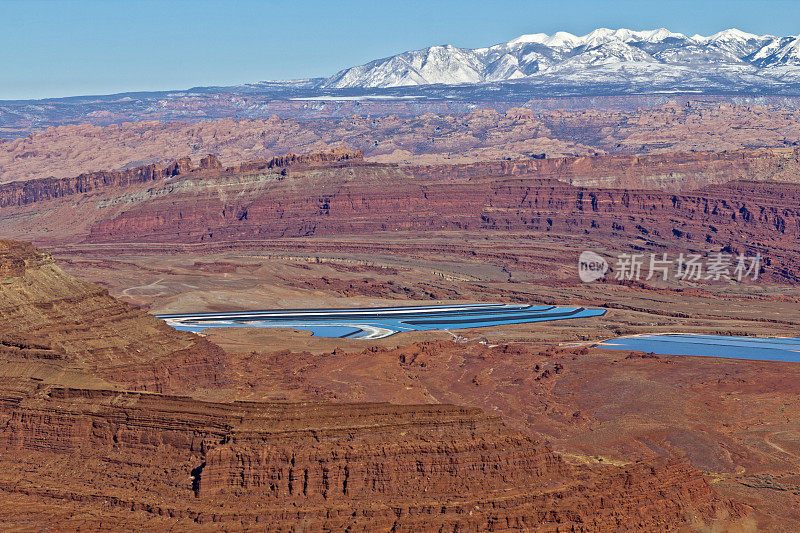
x: 61, y: 48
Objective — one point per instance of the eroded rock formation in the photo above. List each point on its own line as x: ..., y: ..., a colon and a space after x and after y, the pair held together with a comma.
x: 739, y: 217
x: 337, y: 193
x: 44, y: 313
x: 406, y: 132
x: 28, y: 192
x: 357, y: 466
x: 672, y: 172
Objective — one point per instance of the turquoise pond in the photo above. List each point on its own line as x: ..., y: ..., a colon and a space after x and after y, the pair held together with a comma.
x: 785, y: 349
x: 379, y: 322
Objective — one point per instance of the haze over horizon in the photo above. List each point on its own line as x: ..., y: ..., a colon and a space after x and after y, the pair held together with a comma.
x: 81, y: 48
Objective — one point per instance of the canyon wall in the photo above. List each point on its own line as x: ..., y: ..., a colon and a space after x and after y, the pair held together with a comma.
x: 47, y: 314
x: 677, y: 171
x: 28, y: 192
x: 336, y: 193
x: 671, y: 172
x: 356, y: 466
x: 738, y: 217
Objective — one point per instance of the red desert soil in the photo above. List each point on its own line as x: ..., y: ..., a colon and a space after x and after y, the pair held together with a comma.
x: 82, y: 450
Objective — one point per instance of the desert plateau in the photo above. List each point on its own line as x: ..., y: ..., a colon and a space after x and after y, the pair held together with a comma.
x: 550, y: 284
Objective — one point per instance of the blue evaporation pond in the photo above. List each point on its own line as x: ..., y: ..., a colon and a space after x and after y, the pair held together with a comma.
x: 778, y: 349
x: 316, y: 331
x: 381, y: 322
x: 196, y: 329
x: 329, y: 331
x: 479, y: 321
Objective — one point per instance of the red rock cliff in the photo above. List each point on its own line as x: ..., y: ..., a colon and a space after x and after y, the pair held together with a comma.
x: 356, y: 466
x: 64, y: 318
x: 28, y: 192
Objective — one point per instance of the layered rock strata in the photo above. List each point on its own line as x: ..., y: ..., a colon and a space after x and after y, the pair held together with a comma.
x: 45, y: 313
x: 28, y: 192
x: 357, y: 466
x: 335, y: 193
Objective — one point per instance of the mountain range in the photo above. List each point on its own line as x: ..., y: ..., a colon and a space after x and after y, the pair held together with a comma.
x: 658, y: 59
x: 632, y: 68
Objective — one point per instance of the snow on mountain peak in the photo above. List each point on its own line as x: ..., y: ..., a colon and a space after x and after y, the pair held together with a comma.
x: 661, y: 34
x: 620, y: 55
x: 786, y: 52
x: 604, y: 35
x: 733, y: 34
x: 562, y: 39
x: 596, y: 37
x: 530, y: 38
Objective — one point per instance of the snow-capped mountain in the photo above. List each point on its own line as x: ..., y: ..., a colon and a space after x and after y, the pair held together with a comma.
x: 785, y: 51
x: 626, y: 59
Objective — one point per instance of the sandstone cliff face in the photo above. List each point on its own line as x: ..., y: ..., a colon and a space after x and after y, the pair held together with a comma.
x: 335, y: 193
x: 738, y: 216
x: 672, y: 172
x: 676, y: 171
x: 357, y: 466
x: 27, y: 192
x: 304, y: 160
x: 44, y: 309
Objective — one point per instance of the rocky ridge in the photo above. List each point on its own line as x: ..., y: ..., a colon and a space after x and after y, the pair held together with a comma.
x: 268, y: 465
x: 26, y: 192
x: 671, y: 172
x: 46, y: 314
